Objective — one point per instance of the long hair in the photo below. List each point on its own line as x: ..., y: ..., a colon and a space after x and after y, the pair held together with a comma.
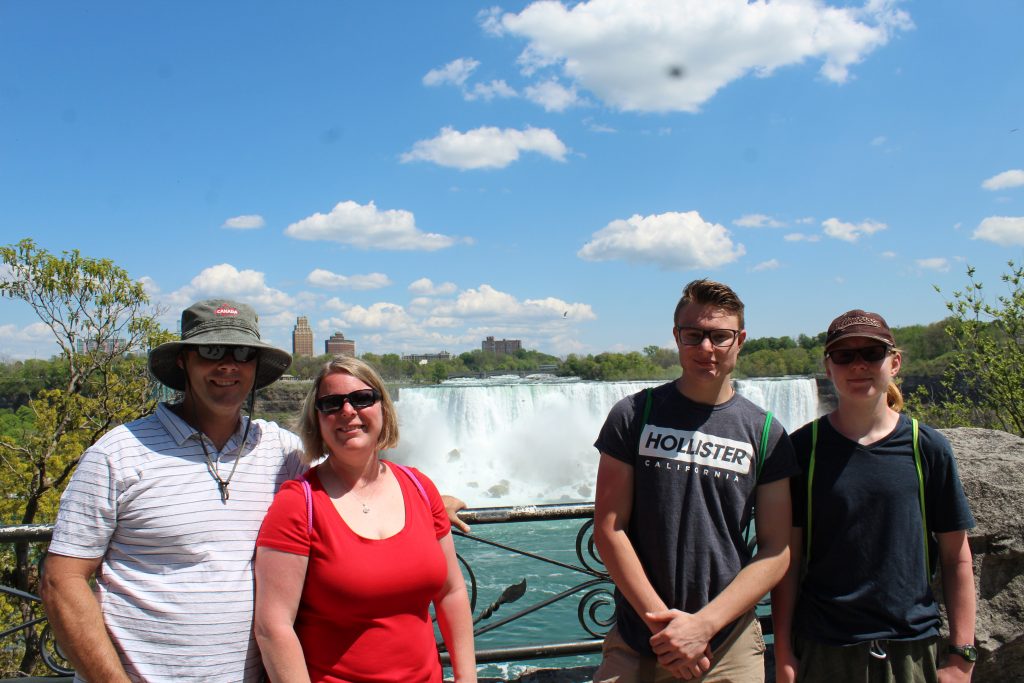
x: 309, y: 423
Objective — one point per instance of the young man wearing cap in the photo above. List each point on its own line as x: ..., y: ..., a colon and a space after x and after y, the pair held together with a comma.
x: 163, y: 512
x: 681, y: 466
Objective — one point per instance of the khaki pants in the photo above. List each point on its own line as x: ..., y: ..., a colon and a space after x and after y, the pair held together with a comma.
x: 740, y: 659
x: 905, y: 661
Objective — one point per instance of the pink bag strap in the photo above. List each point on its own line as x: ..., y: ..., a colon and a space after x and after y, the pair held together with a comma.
x: 309, y: 501
x: 304, y: 480
x: 416, y: 480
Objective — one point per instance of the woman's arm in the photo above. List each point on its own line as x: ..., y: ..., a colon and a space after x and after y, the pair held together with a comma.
x: 453, y: 616
x: 958, y: 592
x: 783, y: 605
x: 279, y: 580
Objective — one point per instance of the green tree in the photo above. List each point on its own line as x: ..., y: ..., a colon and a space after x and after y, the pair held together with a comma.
x: 984, y: 380
x: 99, y: 317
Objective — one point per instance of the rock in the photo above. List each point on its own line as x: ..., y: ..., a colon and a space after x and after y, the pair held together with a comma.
x: 991, y: 467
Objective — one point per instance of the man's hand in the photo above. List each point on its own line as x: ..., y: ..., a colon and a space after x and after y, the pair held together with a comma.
x: 682, y: 645
x: 452, y: 505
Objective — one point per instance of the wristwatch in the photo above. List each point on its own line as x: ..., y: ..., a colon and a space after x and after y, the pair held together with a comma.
x: 968, y: 652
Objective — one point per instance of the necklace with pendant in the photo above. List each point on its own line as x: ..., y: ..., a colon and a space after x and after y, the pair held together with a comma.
x: 366, y: 508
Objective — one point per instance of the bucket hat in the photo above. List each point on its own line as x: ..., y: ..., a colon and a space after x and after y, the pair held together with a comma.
x: 218, y: 321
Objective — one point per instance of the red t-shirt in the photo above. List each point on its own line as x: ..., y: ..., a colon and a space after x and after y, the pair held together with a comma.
x: 363, y: 615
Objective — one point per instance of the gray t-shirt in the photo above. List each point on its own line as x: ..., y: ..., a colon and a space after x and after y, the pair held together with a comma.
x: 694, y: 480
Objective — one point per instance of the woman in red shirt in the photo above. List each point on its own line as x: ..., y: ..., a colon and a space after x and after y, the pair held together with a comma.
x: 349, y: 560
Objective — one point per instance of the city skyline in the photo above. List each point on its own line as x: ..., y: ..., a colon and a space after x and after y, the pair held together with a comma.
x: 548, y: 172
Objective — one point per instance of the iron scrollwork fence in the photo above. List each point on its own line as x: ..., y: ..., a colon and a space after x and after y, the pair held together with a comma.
x: 591, y: 589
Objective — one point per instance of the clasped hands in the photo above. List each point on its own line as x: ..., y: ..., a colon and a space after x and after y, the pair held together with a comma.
x: 682, y: 643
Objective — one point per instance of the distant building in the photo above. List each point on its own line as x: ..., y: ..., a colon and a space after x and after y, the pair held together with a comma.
x: 108, y: 346
x: 302, y: 337
x: 337, y: 345
x: 427, y: 357
x: 501, y: 346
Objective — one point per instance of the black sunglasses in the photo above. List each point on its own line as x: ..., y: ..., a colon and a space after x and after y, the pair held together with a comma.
x: 332, y: 403
x: 241, y: 354
x: 869, y: 354
x: 695, y: 336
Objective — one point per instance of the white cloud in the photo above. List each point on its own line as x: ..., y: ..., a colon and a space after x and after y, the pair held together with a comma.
x: 807, y: 220
x: 851, y: 232
x: 674, y: 55
x: 758, y: 220
x: 224, y: 280
x: 937, y: 264
x: 454, y: 72
x: 672, y: 241
x: 595, y: 127
x: 34, y: 340
x: 366, y: 227
x: 490, y: 21
x: 552, y: 95
x: 1003, y: 230
x: 247, y: 222
x: 426, y: 287
x: 378, y: 316
x: 878, y: 141
x: 325, y: 278
x: 888, y: 254
x: 801, y: 237
x: 770, y: 264
x: 489, y: 91
x: 1005, y: 180
x: 487, y: 302
x: 486, y: 147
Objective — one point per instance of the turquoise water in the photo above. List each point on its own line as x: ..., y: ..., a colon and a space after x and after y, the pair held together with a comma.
x: 496, y: 569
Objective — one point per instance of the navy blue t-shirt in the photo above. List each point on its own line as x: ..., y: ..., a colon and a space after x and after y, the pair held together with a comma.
x: 694, y: 479
x: 866, y: 577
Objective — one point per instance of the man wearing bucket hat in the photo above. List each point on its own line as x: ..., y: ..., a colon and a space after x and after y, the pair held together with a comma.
x: 163, y: 512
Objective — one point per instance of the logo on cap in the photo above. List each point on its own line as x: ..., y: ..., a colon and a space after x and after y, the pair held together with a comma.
x: 226, y: 310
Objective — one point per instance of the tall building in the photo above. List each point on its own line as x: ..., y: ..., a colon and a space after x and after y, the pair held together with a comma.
x: 337, y: 345
x: 108, y: 346
x: 302, y: 337
x: 501, y: 346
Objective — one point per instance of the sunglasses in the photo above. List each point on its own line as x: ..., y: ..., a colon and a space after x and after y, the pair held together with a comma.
x: 869, y: 354
x: 332, y: 403
x: 241, y: 354
x: 694, y: 336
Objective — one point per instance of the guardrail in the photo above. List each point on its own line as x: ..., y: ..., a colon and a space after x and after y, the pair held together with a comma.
x: 583, y: 583
x: 591, y: 592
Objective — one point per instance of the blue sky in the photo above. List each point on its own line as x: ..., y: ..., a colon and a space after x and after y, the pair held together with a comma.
x: 421, y: 175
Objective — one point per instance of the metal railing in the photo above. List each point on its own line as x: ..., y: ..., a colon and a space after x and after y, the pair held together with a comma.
x: 590, y: 589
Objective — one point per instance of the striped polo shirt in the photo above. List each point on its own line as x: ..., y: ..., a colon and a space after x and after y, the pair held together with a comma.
x: 176, y: 584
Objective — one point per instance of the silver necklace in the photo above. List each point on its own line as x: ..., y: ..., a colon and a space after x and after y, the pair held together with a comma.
x: 366, y: 508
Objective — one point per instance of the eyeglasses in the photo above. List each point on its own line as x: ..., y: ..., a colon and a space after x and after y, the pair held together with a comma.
x: 241, y: 354
x: 869, y: 354
x: 695, y: 336
x: 332, y: 403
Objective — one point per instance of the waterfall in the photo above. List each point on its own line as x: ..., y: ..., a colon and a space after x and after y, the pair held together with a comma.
x: 521, y: 442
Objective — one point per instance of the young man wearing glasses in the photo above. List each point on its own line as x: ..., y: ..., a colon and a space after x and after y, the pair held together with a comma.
x: 682, y: 466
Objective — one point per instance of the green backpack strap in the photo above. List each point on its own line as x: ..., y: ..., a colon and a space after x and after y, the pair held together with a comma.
x: 920, y: 494
x: 810, y: 481
x: 762, y: 453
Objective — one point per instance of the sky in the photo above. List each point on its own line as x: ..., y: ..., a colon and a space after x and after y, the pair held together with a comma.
x: 420, y: 175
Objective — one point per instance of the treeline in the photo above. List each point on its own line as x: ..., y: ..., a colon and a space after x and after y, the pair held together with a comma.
x: 926, y: 350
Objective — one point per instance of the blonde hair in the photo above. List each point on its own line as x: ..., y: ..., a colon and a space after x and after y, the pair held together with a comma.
x: 309, y: 423
x: 894, y: 397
